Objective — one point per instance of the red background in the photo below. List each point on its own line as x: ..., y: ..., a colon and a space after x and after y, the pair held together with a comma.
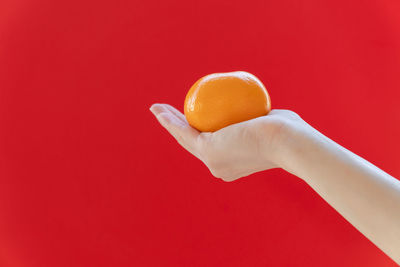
x: 89, y: 178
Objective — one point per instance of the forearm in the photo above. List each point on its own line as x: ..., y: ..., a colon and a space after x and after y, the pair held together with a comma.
x: 362, y: 193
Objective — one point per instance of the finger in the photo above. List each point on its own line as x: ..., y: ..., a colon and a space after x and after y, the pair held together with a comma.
x: 176, y: 112
x: 159, y: 108
x: 181, y: 131
x: 183, y: 135
x: 163, y: 108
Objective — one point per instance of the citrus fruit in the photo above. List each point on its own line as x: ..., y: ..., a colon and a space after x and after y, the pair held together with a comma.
x: 221, y: 99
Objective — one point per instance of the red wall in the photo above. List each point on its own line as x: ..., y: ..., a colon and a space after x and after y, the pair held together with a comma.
x: 89, y: 178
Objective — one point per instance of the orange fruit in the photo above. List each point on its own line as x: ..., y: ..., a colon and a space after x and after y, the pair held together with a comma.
x: 221, y: 99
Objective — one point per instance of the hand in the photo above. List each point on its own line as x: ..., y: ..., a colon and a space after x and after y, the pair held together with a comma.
x: 350, y: 184
x: 234, y: 151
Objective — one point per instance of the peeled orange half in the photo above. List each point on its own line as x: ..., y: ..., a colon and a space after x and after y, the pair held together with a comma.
x: 221, y: 99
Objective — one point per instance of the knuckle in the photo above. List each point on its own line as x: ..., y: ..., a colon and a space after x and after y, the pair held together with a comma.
x: 217, y: 173
x: 221, y: 174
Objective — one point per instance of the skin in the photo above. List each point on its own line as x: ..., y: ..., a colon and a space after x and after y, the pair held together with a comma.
x: 362, y: 193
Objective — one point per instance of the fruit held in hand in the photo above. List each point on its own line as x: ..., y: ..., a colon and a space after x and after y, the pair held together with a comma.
x: 221, y: 99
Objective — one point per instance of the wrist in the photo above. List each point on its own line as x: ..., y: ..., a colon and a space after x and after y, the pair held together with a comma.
x: 296, y: 141
x: 287, y: 149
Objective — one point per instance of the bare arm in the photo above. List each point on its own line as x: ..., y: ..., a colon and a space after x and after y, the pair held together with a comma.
x: 366, y: 196
x: 363, y: 194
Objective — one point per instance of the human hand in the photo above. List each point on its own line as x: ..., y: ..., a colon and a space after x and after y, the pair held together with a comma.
x: 237, y: 150
x: 281, y: 139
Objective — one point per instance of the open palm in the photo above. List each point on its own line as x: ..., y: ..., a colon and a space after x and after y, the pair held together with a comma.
x: 234, y: 151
